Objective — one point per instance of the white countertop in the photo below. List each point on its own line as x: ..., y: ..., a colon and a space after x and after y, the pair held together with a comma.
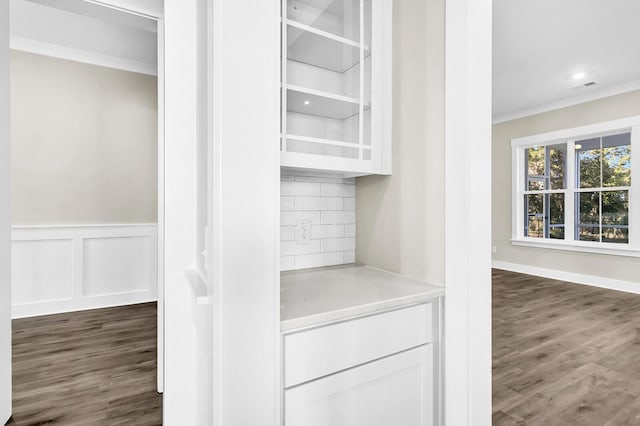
x: 314, y: 296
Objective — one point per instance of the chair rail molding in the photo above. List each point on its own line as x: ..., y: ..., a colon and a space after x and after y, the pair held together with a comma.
x: 68, y: 268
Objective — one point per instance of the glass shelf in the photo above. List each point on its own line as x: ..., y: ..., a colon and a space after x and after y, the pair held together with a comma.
x: 321, y: 104
x: 323, y: 50
x: 338, y: 17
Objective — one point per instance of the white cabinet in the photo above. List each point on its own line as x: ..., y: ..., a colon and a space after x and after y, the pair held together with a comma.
x: 380, y: 369
x: 396, y: 390
x: 336, y: 86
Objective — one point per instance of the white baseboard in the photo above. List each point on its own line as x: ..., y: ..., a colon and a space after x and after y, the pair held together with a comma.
x: 602, y: 282
x: 59, y: 269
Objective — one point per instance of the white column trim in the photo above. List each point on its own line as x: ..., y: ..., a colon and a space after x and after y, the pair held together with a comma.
x: 467, y: 229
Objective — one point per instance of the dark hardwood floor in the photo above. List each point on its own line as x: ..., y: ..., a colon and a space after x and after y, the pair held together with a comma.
x: 93, y: 367
x: 564, y: 354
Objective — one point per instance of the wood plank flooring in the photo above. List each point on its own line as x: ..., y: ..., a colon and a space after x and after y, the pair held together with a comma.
x: 564, y: 354
x: 93, y: 367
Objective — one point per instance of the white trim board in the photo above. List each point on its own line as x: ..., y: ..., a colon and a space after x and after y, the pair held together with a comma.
x: 570, y: 101
x: 602, y: 282
x: 71, y: 268
x: 83, y: 56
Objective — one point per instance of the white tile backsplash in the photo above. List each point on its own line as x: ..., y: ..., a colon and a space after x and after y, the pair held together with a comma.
x: 287, y: 203
x: 328, y: 204
x: 293, y: 218
x: 333, y: 217
x: 319, y: 203
x: 328, y: 231
x: 288, y: 233
x: 338, y: 190
x: 309, y: 189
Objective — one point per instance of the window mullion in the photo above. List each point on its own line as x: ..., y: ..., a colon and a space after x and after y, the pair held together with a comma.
x: 634, y: 191
x: 570, y: 218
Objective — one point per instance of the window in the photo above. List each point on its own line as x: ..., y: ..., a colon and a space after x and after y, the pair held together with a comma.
x: 573, y: 189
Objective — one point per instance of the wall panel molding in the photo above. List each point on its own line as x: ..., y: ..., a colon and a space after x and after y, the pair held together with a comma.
x: 70, y: 268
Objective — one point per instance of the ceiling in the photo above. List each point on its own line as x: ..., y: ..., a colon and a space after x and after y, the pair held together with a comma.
x: 539, y: 45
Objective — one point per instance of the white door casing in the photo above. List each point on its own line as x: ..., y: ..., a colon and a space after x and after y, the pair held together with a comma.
x: 468, y: 212
x: 5, y: 219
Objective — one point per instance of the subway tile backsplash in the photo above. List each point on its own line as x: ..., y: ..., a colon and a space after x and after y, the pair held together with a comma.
x: 318, y: 221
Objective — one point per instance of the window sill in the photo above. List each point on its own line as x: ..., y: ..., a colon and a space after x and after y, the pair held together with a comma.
x: 609, y: 249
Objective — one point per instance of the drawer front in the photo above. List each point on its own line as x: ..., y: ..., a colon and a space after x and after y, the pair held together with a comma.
x: 397, y: 390
x: 317, y: 352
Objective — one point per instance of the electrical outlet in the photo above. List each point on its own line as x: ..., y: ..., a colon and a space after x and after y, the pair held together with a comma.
x: 303, y: 232
x: 493, y: 249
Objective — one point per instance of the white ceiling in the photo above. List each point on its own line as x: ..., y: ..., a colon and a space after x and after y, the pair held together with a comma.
x: 539, y: 44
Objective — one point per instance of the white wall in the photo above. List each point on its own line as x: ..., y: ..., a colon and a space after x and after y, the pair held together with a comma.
x: 400, y: 218
x: 5, y: 220
x: 84, y: 143
x: 328, y: 205
x: 611, y: 267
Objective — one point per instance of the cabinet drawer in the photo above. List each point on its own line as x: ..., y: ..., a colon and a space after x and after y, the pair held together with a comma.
x: 397, y: 390
x: 317, y: 352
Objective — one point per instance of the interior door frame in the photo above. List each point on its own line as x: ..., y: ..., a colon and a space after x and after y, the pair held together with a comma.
x: 5, y: 194
x: 5, y: 219
x: 133, y: 7
x: 468, y: 80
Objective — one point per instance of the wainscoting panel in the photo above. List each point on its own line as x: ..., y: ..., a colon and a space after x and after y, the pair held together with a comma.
x: 70, y: 268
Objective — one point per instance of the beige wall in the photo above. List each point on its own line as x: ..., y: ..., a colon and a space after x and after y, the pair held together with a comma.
x: 400, y: 218
x: 614, y: 267
x: 84, y: 143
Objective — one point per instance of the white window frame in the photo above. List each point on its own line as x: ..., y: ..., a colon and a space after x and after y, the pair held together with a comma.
x: 569, y: 136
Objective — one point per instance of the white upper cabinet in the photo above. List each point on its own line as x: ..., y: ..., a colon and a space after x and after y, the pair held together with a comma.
x: 336, y: 86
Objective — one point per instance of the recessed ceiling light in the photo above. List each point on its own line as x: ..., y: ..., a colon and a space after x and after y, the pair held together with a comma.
x: 579, y: 75
x: 306, y: 102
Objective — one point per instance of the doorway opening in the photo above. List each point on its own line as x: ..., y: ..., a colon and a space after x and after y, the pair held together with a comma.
x: 87, y: 204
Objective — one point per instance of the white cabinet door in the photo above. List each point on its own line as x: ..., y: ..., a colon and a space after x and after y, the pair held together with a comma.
x: 397, y: 390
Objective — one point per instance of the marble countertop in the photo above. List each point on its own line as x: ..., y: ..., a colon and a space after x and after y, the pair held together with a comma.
x: 314, y: 296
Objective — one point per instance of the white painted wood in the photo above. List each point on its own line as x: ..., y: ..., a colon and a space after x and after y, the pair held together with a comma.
x: 161, y: 172
x: 634, y: 193
x: 336, y: 104
x: 42, y: 271
x: 246, y: 276
x: 554, y: 274
x: 580, y: 246
x: 397, y: 390
x: 310, y: 354
x: 569, y: 137
x: 69, y: 268
x: 116, y: 265
x: 589, y: 130
x: 180, y: 337
x: 78, y: 55
x: 99, y: 40
x: 468, y: 212
x: 5, y: 219
x: 147, y: 8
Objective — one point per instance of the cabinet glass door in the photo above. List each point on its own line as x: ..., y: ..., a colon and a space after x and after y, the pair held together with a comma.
x: 326, y: 78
